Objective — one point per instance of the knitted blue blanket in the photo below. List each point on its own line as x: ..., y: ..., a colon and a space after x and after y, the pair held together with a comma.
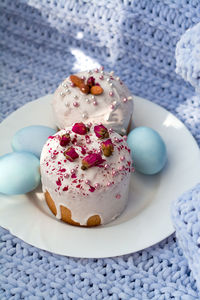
x: 41, y: 43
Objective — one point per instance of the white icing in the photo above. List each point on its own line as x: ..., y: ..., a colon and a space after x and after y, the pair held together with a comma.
x: 118, y: 118
x: 82, y: 202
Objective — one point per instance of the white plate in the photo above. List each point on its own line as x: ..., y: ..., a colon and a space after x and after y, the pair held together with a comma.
x: 146, y: 219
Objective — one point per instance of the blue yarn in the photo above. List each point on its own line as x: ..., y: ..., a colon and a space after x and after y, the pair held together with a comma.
x: 137, y: 39
x: 187, y: 56
x: 186, y: 219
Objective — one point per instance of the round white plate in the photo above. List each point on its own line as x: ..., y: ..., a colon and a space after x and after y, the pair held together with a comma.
x: 146, y: 219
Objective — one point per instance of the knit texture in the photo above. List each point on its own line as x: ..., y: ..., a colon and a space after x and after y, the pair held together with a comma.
x: 41, y: 43
x: 186, y: 218
x: 187, y: 56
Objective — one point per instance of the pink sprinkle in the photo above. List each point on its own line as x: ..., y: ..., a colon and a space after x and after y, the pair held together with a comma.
x: 66, y: 175
x: 76, y: 104
x: 110, y: 130
x: 122, y: 158
x: 96, y: 70
x: 132, y: 170
x: 95, y: 102
x: 87, y: 181
x: 72, y: 171
x: 102, y: 68
x: 125, y: 100
x: 89, y: 124
x: 121, y: 168
x: 112, y: 106
x: 72, y: 84
x: 101, y: 77
x: 97, y: 186
x: 114, y: 173
x: 106, y: 166
x: 116, y: 140
x: 125, y: 137
x: 109, y: 184
x: 118, y: 196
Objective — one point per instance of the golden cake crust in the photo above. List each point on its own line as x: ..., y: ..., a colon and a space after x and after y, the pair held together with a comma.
x: 66, y: 215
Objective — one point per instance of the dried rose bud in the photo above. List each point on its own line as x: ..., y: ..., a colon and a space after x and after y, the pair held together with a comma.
x: 101, y: 131
x: 65, y: 139
x: 107, y: 147
x: 91, y: 160
x: 80, y: 128
x: 71, y: 154
x: 91, y: 81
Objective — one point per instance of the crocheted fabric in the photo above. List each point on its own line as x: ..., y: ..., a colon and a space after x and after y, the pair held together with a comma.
x: 41, y: 43
x: 186, y: 218
x: 187, y: 56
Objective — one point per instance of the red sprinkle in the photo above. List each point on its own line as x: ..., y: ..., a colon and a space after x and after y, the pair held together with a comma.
x: 58, y: 182
x: 65, y: 188
x: 62, y: 170
x: 92, y: 189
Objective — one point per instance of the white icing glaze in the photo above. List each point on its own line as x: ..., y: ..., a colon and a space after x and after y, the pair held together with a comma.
x: 117, y: 117
x: 107, y: 201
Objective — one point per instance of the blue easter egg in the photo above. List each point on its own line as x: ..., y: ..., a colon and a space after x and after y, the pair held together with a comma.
x: 148, y: 150
x: 19, y: 173
x: 31, y: 139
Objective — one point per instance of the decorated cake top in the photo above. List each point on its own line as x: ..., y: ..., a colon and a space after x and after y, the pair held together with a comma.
x: 85, y: 159
x: 93, y: 96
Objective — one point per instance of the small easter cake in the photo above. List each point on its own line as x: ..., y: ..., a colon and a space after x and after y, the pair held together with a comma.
x: 85, y: 173
x: 93, y: 96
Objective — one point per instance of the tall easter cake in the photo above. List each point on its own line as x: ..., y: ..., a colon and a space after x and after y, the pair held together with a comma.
x: 85, y: 172
x: 93, y: 96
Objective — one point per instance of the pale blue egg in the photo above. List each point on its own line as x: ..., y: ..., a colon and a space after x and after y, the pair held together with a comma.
x: 148, y: 150
x: 19, y: 173
x: 31, y: 139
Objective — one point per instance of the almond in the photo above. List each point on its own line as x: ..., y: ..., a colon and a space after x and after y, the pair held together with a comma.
x: 77, y: 81
x: 96, y: 90
x: 84, y: 88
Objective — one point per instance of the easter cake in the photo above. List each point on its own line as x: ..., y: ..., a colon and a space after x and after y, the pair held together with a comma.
x: 85, y: 173
x: 93, y: 96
